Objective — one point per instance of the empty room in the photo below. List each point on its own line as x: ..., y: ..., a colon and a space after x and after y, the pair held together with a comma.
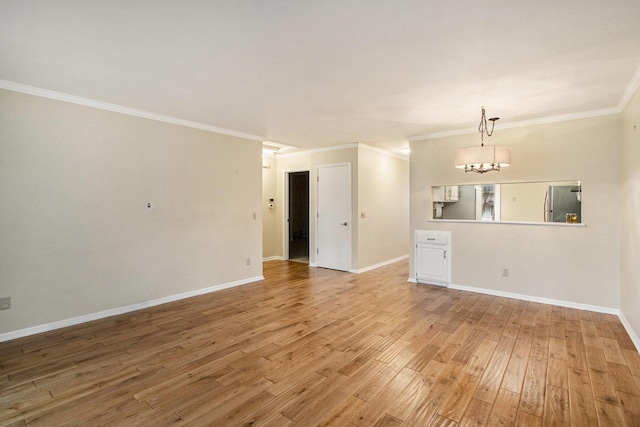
x: 360, y: 213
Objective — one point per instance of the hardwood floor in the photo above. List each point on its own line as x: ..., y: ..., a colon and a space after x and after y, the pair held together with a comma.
x: 309, y: 346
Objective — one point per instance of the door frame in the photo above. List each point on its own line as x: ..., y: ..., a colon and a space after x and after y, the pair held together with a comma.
x: 285, y: 210
x: 315, y: 214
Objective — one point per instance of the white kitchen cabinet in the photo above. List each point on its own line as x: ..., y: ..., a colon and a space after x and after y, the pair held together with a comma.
x: 446, y: 193
x: 433, y: 257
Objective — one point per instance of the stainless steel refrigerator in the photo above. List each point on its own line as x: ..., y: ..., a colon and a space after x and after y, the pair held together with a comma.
x: 561, y: 200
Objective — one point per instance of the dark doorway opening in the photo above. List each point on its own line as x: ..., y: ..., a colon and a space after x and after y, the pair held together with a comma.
x: 299, y: 216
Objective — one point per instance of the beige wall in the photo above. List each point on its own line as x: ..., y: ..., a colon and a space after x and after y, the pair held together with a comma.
x: 376, y: 180
x: 270, y: 241
x: 630, y: 212
x: 523, y: 202
x: 75, y: 235
x: 329, y: 157
x: 383, y: 194
x: 310, y: 160
x: 290, y: 163
x: 574, y: 264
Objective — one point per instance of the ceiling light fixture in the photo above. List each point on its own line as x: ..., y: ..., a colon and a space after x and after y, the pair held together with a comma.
x: 483, y: 159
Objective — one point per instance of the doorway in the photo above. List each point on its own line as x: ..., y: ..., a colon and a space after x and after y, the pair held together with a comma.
x: 298, y: 216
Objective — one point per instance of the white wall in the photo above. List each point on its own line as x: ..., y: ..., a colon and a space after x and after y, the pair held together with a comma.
x: 75, y: 235
x: 630, y: 212
x: 572, y: 264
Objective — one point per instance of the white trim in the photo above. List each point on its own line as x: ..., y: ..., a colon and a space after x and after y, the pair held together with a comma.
x: 630, y: 331
x: 334, y: 148
x: 438, y: 283
x: 560, y: 303
x: 280, y: 155
x: 523, y: 123
x: 444, y: 134
x: 44, y: 93
x: 380, y: 264
x: 476, y: 221
x: 278, y: 145
x: 595, y: 308
x: 430, y: 283
x: 319, y: 150
x: 272, y: 258
x: 121, y: 310
x: 384, y: 152
x: 285, y: 210
x: 344, y: 147
x: 631, y: 89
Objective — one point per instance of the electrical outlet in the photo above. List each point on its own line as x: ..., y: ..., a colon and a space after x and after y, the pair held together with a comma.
x: 505, y: 272
x: 5, y: 303
x: 363, y: 215
x: 248, y: 261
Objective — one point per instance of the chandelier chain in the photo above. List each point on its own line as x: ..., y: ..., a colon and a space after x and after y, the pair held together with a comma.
x: 483, y: 128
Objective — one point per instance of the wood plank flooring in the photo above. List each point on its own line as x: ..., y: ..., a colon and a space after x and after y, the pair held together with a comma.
x: 310, y: 346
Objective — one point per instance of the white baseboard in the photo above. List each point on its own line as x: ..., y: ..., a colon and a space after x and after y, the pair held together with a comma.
x: 432, y: 283
x: 569, y: 304
x: 7, y: 336
x: 380, y: 264
x: 630, y: 331
x: 272, y: 258
x: 561, y: 303
x: 120, y: 310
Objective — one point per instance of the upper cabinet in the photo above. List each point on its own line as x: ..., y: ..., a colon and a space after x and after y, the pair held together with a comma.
x: 446, y: 193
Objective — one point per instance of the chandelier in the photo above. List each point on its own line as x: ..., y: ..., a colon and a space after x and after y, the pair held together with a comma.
x: 483, y: 158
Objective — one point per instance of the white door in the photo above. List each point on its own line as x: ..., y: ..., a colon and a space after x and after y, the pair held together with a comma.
x: 333, y: 221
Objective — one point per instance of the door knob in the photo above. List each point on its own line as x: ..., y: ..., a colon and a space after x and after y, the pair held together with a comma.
x: 343, y: 223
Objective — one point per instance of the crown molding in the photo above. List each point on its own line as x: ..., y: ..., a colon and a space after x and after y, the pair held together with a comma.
x: 384, y: 152
x: 318, y: 150
x: 523, y: 123
x: 44, y: 93
x: 344, y: 147
x: 441, y: 134
x: 359, y: 145
x: 631, y: 89
x: 334, y: 147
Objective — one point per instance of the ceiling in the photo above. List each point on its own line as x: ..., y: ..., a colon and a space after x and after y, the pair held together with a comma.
x: 319, y: 73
